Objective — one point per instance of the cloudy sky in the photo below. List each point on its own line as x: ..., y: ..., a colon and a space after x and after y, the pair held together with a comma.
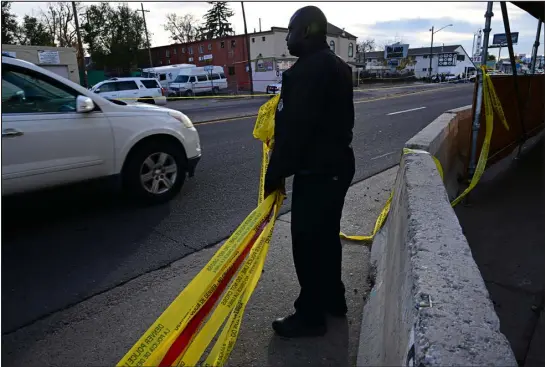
x: 408, y: 22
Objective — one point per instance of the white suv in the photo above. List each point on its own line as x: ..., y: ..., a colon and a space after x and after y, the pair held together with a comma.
x: 146, y: 90
x: 56, y: 132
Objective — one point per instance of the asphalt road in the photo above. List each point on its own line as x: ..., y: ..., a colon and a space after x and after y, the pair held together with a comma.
x: 66, y: 245
x: 207, y: 108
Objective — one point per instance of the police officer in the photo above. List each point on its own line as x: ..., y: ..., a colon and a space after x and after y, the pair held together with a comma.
x: 313, y: 136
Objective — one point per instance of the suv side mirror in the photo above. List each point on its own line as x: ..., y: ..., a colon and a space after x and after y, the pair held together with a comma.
x: 84, y: 104
x: 97, y: 90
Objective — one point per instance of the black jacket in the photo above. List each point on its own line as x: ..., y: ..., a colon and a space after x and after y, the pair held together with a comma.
x: 314, y: 118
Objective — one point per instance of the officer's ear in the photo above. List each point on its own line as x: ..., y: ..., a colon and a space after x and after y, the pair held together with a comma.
x: 307, y: 32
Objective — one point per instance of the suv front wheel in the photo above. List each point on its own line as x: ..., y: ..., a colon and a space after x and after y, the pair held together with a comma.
x: 155, y: 172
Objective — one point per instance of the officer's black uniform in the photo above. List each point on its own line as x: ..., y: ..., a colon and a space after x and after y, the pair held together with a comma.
x: 313, y: 135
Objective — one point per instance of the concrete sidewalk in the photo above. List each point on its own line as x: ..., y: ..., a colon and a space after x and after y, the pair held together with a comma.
x: 100, y: 330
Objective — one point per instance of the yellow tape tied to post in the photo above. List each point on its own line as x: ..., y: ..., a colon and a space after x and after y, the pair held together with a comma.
x: 491, y: 104
x: 180, y: 336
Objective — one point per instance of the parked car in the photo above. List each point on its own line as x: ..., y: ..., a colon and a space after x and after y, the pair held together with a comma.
x: 274, y: 88
x: 55, y: 132
x: 147, y: 90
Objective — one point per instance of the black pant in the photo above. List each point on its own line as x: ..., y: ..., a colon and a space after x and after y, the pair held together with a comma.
x: 316, y: 213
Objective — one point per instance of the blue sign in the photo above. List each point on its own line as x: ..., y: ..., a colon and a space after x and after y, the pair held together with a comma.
x: 209, y: 68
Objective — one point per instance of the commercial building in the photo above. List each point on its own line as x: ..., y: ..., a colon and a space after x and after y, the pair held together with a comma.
x: 59, y: 60
x: 268, y: 53
x: 451, y: 59
x: 229, y: 52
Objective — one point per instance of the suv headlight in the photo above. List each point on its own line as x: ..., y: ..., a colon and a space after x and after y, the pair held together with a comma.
x: 182, y: 118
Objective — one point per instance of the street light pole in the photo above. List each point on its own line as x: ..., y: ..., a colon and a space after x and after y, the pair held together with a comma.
x: 431, y: 47
x: 431, y: 52
x: 146, y: 30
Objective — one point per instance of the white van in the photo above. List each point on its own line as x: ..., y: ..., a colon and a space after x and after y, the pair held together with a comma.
x: 166, y: 74
x: 199, y: 80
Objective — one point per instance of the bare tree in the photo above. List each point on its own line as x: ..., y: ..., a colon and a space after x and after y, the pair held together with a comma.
x: 59, y: 19
x: 182, y: 29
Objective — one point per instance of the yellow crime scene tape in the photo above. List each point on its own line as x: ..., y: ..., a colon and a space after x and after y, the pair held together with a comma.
x: 491, y: 104
x: 180, y: 336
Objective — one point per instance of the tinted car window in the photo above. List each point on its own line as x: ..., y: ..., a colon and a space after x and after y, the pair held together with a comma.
x: 215, y: 76
x: 25, y: 91
x: 222, y: 75
x: 150, y: 84
x: 201, y: 78
x: 126, y: 85
x: 107, y: 87
x: 181, y: 79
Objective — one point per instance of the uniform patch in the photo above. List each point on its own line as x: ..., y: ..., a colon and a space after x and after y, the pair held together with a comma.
x: 280, y: 106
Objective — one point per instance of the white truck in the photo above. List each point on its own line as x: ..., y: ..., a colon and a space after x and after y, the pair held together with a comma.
x: 191, y: 81
x: 166, y: 74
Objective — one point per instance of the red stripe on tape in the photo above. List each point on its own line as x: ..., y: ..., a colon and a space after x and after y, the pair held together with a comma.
x: 181, y: 343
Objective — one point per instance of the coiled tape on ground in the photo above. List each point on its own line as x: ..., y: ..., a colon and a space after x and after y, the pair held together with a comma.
x: 180, y: 335
x: 491, y: 104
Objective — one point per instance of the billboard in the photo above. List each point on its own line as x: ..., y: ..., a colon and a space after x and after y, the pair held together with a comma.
x: 501, y: 39
x: 396, y: 51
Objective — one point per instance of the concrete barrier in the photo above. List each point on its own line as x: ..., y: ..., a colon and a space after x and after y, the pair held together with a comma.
x: 429, y: 305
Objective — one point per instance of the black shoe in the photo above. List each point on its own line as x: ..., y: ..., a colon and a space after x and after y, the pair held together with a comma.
x: 297, y: 326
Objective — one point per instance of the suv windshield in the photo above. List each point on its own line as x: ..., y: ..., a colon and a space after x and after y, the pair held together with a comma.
x: 181, y: 79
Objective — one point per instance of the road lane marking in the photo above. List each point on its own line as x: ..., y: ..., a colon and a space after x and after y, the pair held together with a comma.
x: 398, y: 112
x: 382, y: 156
x: 355, y: 102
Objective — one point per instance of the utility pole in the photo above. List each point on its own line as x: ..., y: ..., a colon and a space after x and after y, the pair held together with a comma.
x: 146, y: 30
x: 248, y: 50
x: 81, y: 60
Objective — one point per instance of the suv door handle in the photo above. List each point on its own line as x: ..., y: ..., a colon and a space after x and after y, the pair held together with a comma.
x: 10, y: 133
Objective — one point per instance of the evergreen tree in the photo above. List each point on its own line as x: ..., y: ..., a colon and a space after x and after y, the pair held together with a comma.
x: 35, y: 33
x: 217, y: 21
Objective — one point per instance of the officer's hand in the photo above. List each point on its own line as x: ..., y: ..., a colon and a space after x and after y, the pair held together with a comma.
x: 273, y: 184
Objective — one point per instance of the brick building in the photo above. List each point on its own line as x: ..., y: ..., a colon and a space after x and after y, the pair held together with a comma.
x: 229, y: 52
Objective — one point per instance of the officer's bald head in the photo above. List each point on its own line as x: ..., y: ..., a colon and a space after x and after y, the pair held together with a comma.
x: 308, y: 26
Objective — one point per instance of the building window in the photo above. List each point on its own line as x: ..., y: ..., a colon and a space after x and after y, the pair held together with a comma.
x: 425, y: 56
x: 209, y: 47
x: 183, y: 50
x: 222, y: 44
x: 168, y: 61
x: 233, y: 43
x: 447, y: 59
x: 201, y: 49
x: 425, y: 69
x: 174, y: 51
x: 231, y: 70
x: 332, y: 45
x: 350, y: 49
x: 190, y: 50
x: 263, y: 38
x: 253, y: 39
x: 167, y: 53
x: 160, y: 62
x: 461, y: 57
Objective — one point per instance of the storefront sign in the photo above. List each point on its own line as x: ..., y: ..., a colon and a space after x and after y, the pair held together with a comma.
x: 49, y: 57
